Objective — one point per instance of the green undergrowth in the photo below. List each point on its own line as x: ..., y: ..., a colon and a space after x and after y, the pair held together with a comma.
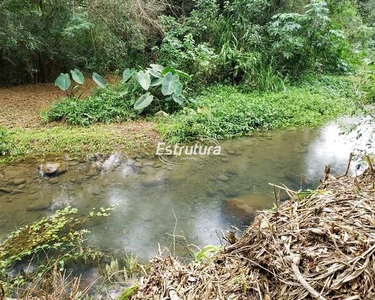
x: 225, y: 112
x: 103, y: 106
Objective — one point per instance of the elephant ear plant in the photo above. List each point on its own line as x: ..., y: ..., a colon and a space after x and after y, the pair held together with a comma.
x: 64, y: 82
x: 159, y: 83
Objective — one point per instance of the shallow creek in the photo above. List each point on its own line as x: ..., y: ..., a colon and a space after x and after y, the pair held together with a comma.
x: 196, y: 199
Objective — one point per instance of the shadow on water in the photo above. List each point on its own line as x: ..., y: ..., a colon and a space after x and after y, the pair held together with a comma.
x: 194, y: 199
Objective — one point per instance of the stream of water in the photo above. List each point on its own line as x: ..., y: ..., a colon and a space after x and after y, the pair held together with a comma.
x: 196, y: 199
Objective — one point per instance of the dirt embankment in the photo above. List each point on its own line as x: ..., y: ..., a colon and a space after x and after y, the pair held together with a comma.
x: 20, y: 108
x: 321, y: 246
x: 21, y: 105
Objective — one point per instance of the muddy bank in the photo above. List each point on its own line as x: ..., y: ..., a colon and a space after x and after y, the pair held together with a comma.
x: 316, y: 246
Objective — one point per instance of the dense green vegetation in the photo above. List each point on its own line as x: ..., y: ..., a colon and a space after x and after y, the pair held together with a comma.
x: 226, y: 112
x: 259, y: 45
x: 255, y: 41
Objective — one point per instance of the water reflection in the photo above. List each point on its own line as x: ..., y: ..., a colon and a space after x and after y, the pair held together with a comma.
x: 193, y: 199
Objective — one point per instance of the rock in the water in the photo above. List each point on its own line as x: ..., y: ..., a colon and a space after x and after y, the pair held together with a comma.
x: 149, y: 163
x: 73, y: 163
x: 231, y: 194
x: 17, y: 192
x: 161, y: 114
x: 19, y: 181
x: 247, y: 205
x: 223, y: 178
x: 54, y: 168
x: 157, y: 165
x: 211, y: 193
x: 5, y: 190
x: 232, y: 172
x: 97, y: 157
x: 38, y: 206
x: 94, y: 168
x: 151, y: 182
x: 53, y: 180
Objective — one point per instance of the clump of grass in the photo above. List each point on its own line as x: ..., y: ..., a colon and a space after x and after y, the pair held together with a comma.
x: 5, y: 141
x: 225, y: 112
x: 76, y: 141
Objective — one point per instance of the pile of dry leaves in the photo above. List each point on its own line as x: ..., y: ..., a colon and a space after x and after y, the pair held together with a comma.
x: 321, y: 246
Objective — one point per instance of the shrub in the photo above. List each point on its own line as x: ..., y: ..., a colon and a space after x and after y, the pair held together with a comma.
x: 105, y: 105
x: 180, y: 50
x: 308, y: 40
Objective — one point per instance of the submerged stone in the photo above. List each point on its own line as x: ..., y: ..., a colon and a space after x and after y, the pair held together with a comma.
x: 54, y: 168
x: 223, y: 178
x: 5, y: 190
x: 152, y: 182
x: 94, y: 169
x: 19, y: 181
x: 246, y: 205
x: 38, y: 206
x: 53, y: 180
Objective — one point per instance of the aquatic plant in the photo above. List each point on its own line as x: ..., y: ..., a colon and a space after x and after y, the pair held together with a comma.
x: 59, y: 238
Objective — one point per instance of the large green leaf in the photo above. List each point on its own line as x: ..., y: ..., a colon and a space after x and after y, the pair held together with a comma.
x: 180, y: 99
x: 157, y: 81
x: 99, y: 80
x: 143, y: 101
x: 170, y: 84
x: 158, y: 68
x: 144, y: 79
x: 63, y: 81
x: 78, y: 76
x: 177, y: 72
x: 154, y: 73
x: 179, y: 89
x: 127, y: 74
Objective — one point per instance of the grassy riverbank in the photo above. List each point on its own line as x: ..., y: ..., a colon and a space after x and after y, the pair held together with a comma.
x: 76, y: 142
x: 219, y: 112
